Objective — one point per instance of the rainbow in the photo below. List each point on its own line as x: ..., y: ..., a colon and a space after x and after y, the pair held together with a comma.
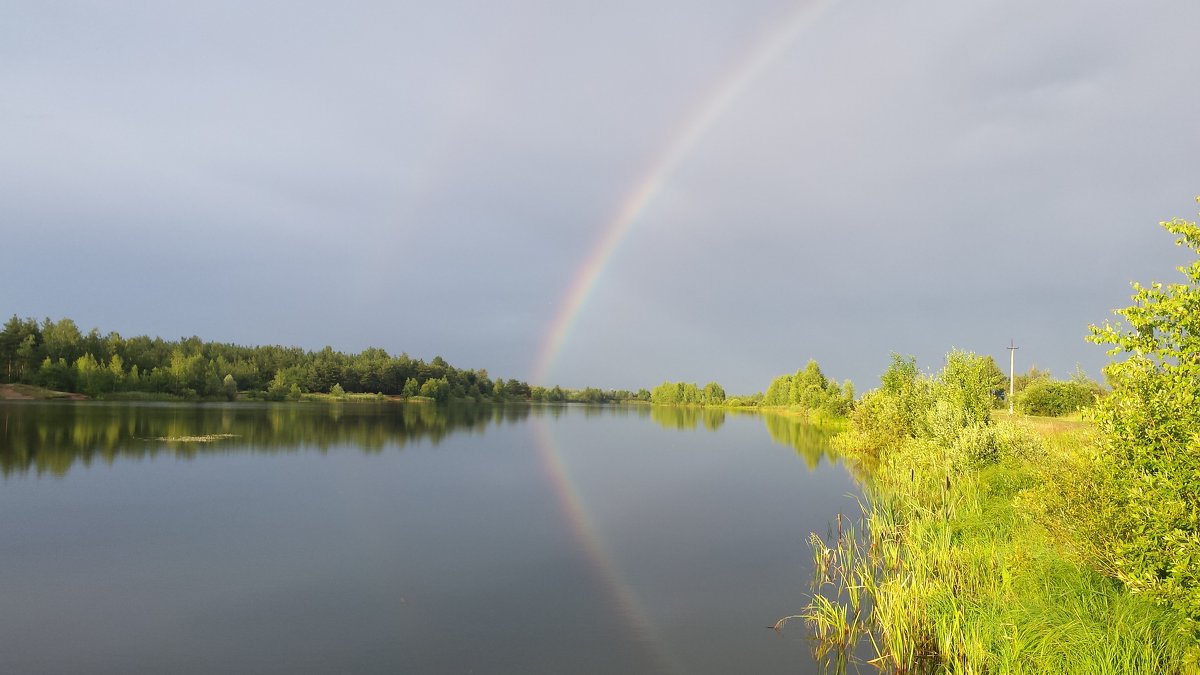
x: 728, y: 90
x: 602, y: 563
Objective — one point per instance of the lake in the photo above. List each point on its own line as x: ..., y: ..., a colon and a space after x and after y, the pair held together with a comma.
x: 405, y: 538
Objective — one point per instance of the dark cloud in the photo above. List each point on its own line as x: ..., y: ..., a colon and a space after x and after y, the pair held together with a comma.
x: 430, y: 178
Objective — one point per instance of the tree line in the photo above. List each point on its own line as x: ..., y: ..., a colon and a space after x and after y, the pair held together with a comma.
x: 57, y: 355
x: 810, y: 390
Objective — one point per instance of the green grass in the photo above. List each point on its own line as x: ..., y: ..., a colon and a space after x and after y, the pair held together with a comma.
x: 961, y: 570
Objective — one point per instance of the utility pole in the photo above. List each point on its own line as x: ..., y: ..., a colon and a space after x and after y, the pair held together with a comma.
x: 1012, y: 374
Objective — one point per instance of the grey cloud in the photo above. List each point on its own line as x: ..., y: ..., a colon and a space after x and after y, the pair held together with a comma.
x: 430, y: 178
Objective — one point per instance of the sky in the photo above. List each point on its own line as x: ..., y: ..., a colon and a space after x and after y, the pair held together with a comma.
x: 600, y: 194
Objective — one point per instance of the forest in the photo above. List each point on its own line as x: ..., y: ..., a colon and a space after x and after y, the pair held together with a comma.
x: 58, y: 356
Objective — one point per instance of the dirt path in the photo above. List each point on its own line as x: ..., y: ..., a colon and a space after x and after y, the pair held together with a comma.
x: 25, y: 392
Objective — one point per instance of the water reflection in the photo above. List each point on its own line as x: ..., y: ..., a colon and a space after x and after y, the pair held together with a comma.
x: 52, y: 437
x: 687, y: 418
x: 813, y: 442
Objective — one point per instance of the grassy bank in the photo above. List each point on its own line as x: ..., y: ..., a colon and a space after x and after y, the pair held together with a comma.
x: 966, y: 559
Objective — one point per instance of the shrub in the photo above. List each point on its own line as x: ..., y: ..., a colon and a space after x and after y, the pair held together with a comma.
x: 1150, y: 466
x: 1052, y: 398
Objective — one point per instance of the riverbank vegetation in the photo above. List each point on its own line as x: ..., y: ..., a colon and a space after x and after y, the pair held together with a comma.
x: 687, y: 393
x: 1044, y: 396
x: 809, y: 394
x: 998, y: 546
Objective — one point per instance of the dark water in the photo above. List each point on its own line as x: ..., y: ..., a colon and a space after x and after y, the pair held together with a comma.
x: 392, y: 538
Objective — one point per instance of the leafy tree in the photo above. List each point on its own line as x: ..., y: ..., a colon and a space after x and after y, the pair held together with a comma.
x: 26, y: 353
x: 19, y: 348
x: 116, y: 371
x: 847, y: 395
x: 230, y: 387
x: 998, y: 379
x: 436, y: 389
x: 1150, y: 499
x: 968, y: 384
x: 411, y: 388
x: 285, y: 384
x: 57, y: 375
x: 62, y: 340
x: 93, y: 378
x: 809, y: 387
x: 779, y: 392
x: 1023, y: 380
x: 713, y: 394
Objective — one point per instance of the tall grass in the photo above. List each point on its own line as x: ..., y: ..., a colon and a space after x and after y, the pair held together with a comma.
x: 965, y: 560
x: 945, y: 574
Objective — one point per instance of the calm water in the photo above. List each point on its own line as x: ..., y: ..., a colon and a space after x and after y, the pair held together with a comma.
x: 392, y: 538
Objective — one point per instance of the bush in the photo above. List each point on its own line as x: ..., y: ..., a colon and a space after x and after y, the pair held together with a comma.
x: 1150, y: 467
x: 1050, y: 398
x: 911, y: 405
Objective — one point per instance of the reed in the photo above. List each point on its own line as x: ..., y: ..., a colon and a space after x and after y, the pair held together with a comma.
x: 971, y: 556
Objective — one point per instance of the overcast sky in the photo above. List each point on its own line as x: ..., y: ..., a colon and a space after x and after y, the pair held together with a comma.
x: 431, y: 177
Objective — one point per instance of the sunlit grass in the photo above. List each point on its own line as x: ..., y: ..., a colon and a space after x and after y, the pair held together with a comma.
x: 955, y: 569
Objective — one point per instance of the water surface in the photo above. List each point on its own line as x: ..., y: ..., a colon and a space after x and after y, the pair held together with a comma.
x: 393, y: 538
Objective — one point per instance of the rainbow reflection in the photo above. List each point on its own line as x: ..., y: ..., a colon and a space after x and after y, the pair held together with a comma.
x: 602, y: 563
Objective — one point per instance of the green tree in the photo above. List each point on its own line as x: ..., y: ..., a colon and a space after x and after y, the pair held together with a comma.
x: 19, y: 352
x: 116, y: 371
x: 229, y: 386
x: 62, y: 340
x: 1150, y: 500
x: 57, y: 375
x: 26, y: 355
x: 411, y: 388
x: 1023, y: 380
x: 809, y: 387
x: 436, y: 389
x: 93, y: 378
x: 779, y: 392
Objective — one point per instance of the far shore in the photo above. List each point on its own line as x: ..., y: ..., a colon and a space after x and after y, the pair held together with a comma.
x: 28, y: 392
